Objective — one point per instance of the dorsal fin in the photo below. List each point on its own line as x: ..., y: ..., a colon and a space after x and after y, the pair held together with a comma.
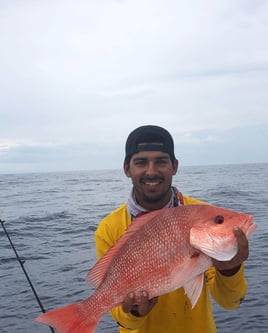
x: 97, y: 273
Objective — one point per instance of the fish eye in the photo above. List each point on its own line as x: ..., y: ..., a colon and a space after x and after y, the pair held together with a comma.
x: 219, y: 219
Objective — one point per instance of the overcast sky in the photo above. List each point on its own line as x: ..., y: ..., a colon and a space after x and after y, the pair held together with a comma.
x: 76, y: 76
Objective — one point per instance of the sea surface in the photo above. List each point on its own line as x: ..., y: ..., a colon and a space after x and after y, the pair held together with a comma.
x: 51, y: 219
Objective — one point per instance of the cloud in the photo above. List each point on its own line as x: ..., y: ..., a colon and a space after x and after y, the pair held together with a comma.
x: 85, y: 73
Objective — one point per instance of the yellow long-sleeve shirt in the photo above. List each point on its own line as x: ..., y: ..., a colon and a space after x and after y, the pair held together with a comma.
x: 173, y: 312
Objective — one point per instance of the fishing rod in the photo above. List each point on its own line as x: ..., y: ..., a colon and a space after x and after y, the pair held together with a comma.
x: 21, y: 262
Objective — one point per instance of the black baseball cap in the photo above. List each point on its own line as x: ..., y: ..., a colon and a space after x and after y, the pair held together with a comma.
x: 149, y: 138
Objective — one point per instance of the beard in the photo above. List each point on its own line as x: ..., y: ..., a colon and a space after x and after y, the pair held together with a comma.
x: 153, y: 198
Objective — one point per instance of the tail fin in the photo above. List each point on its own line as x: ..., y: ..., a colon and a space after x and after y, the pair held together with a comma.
x: 70, y: 319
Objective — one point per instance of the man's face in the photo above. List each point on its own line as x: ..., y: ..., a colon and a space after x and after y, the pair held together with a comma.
x: 151, y: 173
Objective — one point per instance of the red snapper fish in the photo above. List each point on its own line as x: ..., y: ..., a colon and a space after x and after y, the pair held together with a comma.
x: 161, y: 251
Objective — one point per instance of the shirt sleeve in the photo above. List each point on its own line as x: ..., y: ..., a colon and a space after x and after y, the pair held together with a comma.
x: 102, y: 243
x: 228, y: 291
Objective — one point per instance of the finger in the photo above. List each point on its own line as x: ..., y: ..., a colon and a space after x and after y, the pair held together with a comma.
x: 128, y: 303
x: 143, y: 305
x: 240, y: 236
x: 242, y: 243
x: 239, y: 233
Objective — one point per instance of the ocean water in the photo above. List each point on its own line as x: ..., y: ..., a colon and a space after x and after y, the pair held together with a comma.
x: 51, y: 219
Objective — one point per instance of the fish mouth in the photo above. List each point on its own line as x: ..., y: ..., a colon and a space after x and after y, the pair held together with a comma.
x: 249, y: 225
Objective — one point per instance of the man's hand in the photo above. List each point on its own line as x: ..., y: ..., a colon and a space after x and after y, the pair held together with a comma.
x: 138, y: 304
x: 231, y: 267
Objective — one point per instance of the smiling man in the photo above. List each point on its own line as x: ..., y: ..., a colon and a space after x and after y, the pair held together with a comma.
x: 150, y: 162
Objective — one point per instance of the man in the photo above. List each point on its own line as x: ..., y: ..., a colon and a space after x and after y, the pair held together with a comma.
x: 150, y: 163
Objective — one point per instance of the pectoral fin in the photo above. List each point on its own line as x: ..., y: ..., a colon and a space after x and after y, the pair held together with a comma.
x: 193, y: 288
